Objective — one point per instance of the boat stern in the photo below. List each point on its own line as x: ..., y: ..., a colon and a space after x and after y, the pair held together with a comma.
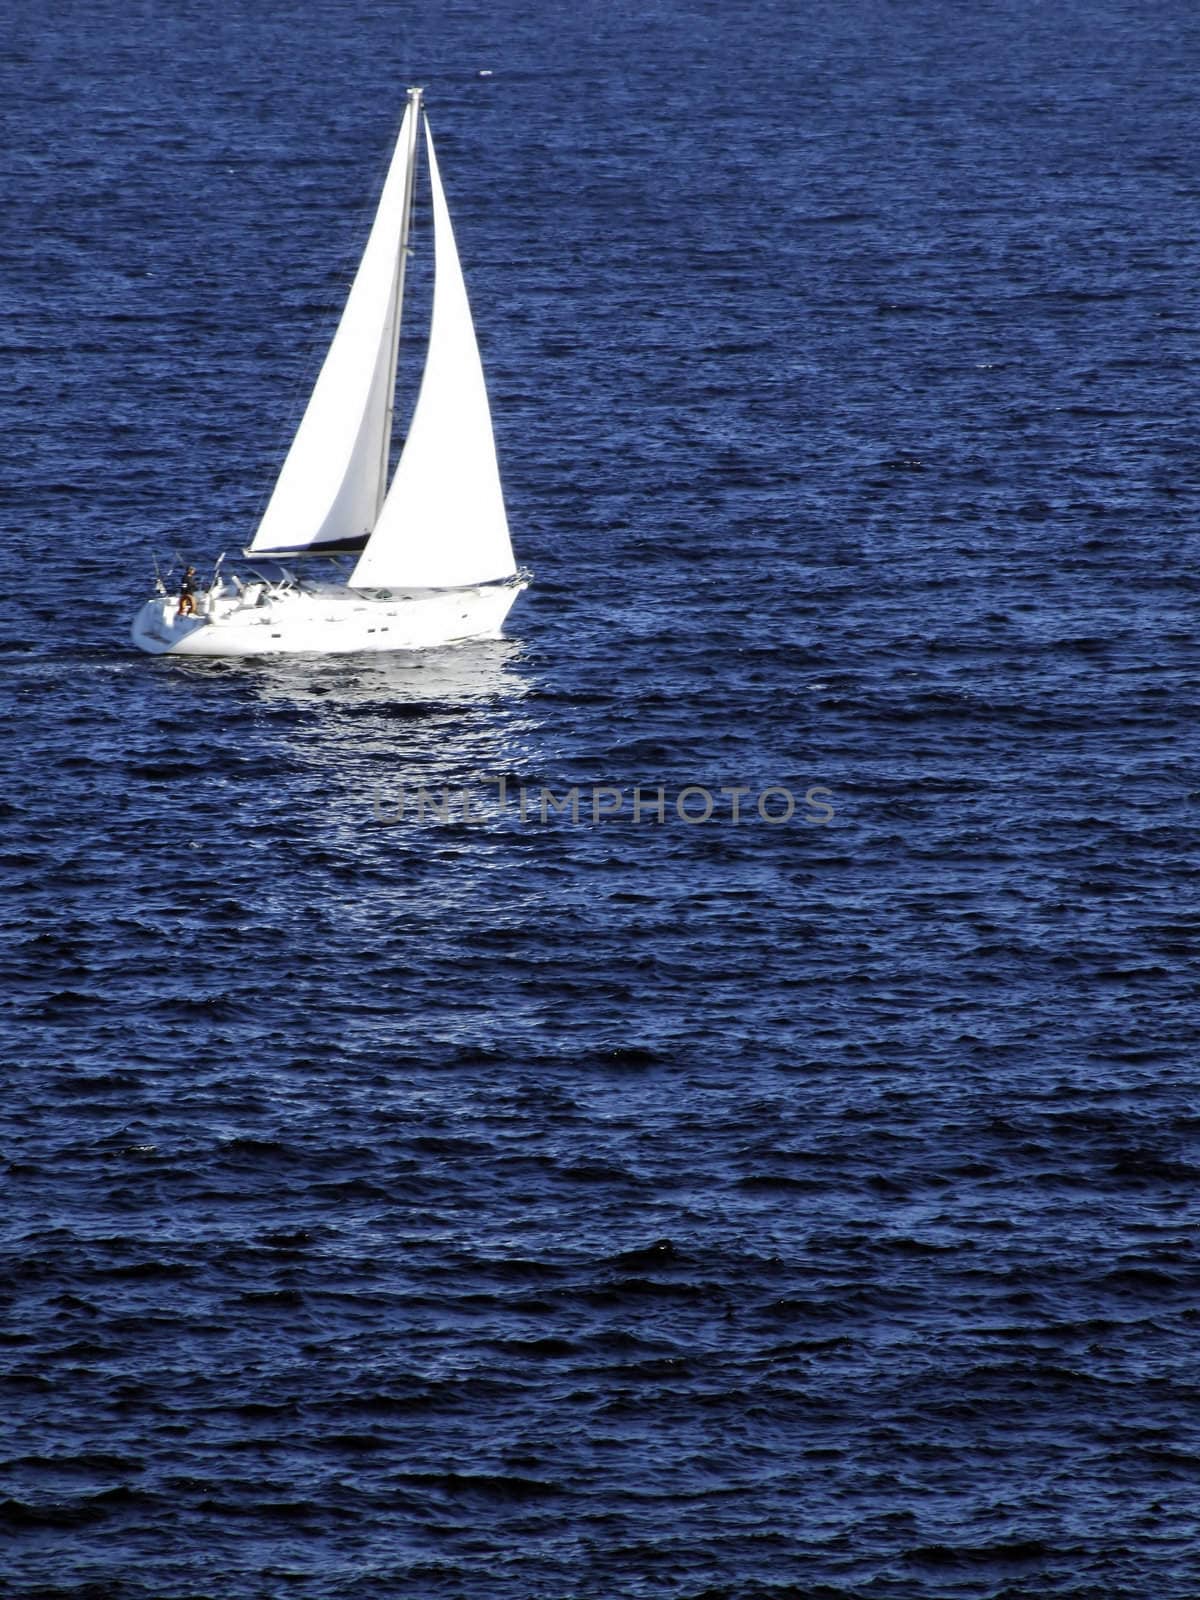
x: 159, y: 629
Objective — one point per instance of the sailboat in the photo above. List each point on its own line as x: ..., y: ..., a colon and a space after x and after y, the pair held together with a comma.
x: 433, y: 561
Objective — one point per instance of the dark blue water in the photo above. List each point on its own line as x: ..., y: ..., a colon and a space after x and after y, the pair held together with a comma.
x: 521, y: 1209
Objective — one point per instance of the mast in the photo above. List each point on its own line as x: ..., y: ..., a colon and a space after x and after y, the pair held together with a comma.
x: 410, y: 180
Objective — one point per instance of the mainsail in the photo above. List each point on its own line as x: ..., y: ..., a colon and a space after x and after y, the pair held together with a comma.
x: 333, y: 481
x: 443, y: 523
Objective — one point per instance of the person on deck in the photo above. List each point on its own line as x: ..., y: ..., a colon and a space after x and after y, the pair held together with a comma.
x: 187, y: 590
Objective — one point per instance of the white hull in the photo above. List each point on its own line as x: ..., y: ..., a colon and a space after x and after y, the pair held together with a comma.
x: 322, y: 619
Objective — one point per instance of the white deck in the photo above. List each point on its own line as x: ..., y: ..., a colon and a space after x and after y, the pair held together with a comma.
x: 321, y: 619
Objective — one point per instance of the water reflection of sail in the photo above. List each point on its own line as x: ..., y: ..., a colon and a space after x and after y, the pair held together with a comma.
x: 463, y: 675
x: 446, y: 721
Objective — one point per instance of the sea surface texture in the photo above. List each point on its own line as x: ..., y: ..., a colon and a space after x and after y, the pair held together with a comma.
x: 604, y: 1207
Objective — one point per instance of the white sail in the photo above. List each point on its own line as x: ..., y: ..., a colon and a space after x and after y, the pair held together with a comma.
x: 443, y: 523
x: 333, y: 481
